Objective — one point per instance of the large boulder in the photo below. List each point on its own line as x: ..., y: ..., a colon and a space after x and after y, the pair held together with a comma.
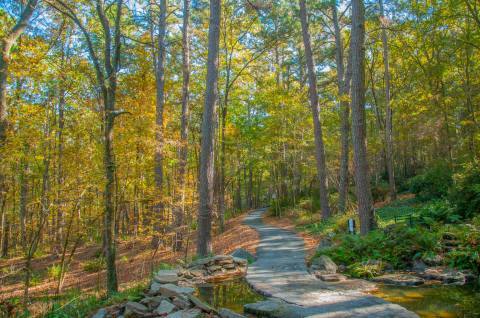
x: 324, y: 264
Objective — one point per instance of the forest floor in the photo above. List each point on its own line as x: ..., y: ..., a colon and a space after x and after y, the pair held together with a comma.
x: 135, y: 262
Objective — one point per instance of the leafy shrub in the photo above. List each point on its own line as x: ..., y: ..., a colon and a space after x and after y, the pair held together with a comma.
x: 367, y: 269
x: 465, y: 193
x: 54, y: 271
x: 467, y: 254
x: 95, y: 265
x: 440, y: 211
x: 433, y: 184
x: 397, y: 246
x: 380, y: 191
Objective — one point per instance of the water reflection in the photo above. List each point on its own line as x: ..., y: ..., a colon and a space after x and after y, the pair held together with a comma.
x: 231, y: 294
x: 435, y: 301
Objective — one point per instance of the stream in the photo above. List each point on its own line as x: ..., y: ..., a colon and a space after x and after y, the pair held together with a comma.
x: 438, y: 301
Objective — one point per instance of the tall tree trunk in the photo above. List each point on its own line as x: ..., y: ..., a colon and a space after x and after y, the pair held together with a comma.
x: 160, y: 85
x: 204, y: 244
x: 343, y: 82
x: 180, y: 209
x: 60, y: 145
x: 362, y: 183
x: 109, y: 162
x: 388, y: 109
x: 5, y: 229
x: 24, y: 167
x: 312, y: 81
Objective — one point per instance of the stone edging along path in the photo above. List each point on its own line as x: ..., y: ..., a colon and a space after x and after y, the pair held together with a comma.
x: 280, y: 272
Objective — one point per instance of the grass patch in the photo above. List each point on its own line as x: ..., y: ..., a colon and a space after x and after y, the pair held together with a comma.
x: 75, y: 304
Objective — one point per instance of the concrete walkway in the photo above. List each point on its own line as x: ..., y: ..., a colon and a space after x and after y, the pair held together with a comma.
x: 280, y: 272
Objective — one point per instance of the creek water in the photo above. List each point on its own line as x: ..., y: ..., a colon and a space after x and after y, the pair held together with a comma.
x: 435, y: 301
x: 232, y: 294
x: 427, y: 301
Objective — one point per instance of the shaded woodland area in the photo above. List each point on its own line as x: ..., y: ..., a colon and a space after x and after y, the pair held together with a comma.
x: 161, y: 120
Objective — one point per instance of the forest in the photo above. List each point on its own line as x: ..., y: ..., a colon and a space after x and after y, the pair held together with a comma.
x: 140, y: 137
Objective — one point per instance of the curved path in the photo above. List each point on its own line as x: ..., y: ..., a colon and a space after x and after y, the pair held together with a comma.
x: 280, y: 272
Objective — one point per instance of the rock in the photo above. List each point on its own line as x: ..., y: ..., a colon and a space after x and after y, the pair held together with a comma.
x: 101, y: 313
x: 469, y: 276
x: 166, y: 277
x: 200, y: 304
x: 342, y: 268
x: 435, y: 260
x: 219, y: 258
x: 152, y: 302
x: 135, y: 310
x: 187, y: 313
x: 181, y: 302
x: 198, y: 273
x: 240, y: 261
x: 164, y: 308
x: 227, y: 313
x: 324, y: 263
x: 213, y: 268
x: 229, y: 266
x: 331, y: 277
x: 268, y: 308
x: 244, y: 254
x: 154, y: 289
x: 445, y: 275
x: 323, y: 244
x: 170, y: 290
x: 201, y: 262
x: 399, y: 280
x: 418, y: 266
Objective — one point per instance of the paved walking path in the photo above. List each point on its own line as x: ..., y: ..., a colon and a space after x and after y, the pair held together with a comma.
x: 280, y: 272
